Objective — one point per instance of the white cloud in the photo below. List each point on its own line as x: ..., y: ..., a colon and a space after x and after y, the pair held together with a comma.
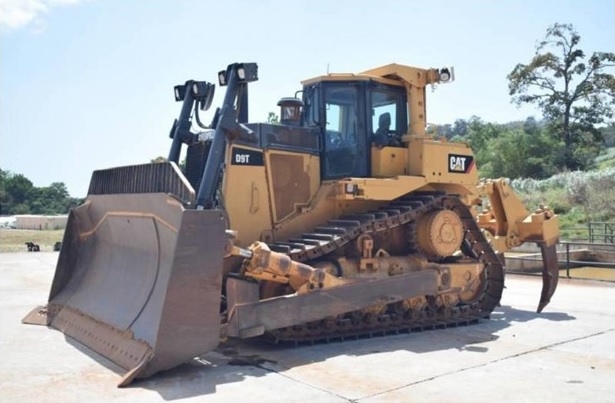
x: 15, y: 14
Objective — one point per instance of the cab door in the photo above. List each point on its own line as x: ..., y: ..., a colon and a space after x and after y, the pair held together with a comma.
x: 345, y: 141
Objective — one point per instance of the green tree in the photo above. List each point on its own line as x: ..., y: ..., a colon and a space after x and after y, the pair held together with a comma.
x: 608, y: 135
x: 480, y: 133
x: 4, y: 196
x: 531, y: 126
x: 273, y: 118
x: 574, y: 94
x: 19, y: 189
x: 19, y: 196
x: 460, y: 128
x: 519, y: 154
x: 479, y: 136
x: 53, y: 199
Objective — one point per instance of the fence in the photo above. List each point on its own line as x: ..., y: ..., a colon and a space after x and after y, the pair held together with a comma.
x: 608, y: 264
x: 601, y: 232
x: 571, y: 255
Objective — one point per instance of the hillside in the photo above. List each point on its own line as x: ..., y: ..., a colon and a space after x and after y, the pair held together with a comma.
x: 606, y: 159
x: 577, y: 197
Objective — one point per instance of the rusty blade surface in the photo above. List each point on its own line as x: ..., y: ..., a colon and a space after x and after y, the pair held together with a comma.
x: 139, y: 280
x: 550, y: 274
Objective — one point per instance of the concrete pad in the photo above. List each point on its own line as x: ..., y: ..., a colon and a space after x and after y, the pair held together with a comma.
x: 566, y: 353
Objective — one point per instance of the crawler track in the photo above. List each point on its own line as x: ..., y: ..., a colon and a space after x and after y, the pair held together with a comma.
x: 395, y: 319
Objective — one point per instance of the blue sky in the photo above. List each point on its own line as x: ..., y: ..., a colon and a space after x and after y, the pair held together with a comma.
x: 88, y: 84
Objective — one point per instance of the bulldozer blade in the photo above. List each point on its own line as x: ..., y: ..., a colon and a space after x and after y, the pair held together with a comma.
x: 550, y: 274
x: 139, y: 281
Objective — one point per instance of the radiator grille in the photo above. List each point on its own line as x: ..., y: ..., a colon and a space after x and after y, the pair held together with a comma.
x: 196, y: 157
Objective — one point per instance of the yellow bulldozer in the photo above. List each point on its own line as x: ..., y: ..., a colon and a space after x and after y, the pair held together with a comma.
x: 343, y: 220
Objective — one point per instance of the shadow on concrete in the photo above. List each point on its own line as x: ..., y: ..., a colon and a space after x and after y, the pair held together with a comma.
x: 247, y: 360
x: 235, y: 360
x: 510, y: 314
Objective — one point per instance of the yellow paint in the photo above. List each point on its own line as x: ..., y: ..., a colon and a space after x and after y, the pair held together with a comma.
x: 246, y: 198
x: 389, y: 161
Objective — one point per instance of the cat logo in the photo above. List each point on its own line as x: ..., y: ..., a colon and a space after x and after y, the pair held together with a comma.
x: 460, y: 163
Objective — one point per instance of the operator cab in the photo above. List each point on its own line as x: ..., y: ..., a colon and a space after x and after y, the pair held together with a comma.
x: 354, y: 113
x: 340, y: 118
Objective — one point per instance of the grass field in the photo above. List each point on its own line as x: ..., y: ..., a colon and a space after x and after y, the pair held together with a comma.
x: 14, y: 240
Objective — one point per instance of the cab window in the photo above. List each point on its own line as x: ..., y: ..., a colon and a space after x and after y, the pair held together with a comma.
x: 389, y: 116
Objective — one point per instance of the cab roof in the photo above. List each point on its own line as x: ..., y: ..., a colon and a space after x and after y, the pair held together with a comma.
x: 391, y: 74
x: 351, y: 77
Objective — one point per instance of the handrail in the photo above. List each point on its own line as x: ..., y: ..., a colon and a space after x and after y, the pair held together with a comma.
x: 597, y: 247
x: 601, y: 230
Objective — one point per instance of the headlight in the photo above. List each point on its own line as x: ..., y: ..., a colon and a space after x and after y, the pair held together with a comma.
x: 445, y: 75
x: 179, y: 91
x: 352, y: 188
x: 222, y: 78
x: 245, y: 72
